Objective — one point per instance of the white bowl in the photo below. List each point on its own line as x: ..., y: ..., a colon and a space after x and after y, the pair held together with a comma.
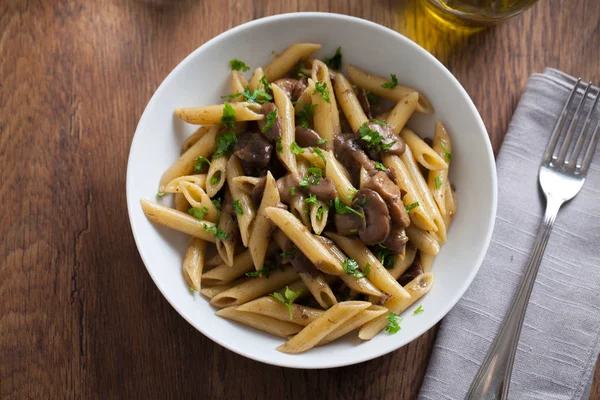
x: 204, y: 76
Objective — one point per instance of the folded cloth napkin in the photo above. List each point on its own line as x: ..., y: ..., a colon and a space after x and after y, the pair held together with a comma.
x: 560, y: 339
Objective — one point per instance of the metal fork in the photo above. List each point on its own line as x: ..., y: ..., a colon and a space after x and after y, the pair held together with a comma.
x: 561, y: 178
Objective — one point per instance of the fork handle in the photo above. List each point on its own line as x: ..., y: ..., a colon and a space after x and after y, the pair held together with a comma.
x: 493, y: 378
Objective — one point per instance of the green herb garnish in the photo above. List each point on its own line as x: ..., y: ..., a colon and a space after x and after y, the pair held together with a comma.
x: 266, y: 84
x: 228, y: 118
x: 306, y: 114
x: 237, y: 207
x: 225, y: 143
x: 438, y: 182
x: 215, y: 178
x: 373, y: 139
x: 378, y: 121
x: 238, y: 65
x: 216, y: 203
x: 265, y: 270
x: 320, y: 212
x: 217, y: 232
x: 295, y: 148
x: 321, y: 141
x: 160, y: 194
x: 412, y: 206
x: 258, y: 96
x: 319, y: 153
x: 392, y: 84
x: 271, y: 118
x: 288, y: 298
x: 323, y: 90
x: 447, y: 154
x: 351, y: 267
x: 198, y: 213
x: 199, y: 161
x: 387, y: 259
x: 293, y: 190
x: 335, y: 62
x: 341, y: 208
x: 393, y: 325
x: 287, y: 254
x: 419, y: 310
x: 311, y: 200
x: 380, y: 166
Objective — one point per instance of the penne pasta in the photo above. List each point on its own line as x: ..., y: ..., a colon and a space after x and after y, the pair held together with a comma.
x: 305, y: 241
x: 215, y: 178
x: 326, y: 119
x: 349, y: 103
x: 181, y: 204
x: 285, y: 61
x: 402, y: 111
x: 313, y: 158
x: 426, y: 261
x: 193, y: 263
x: 380, y: 276
x: 255, y: 83
x: 261, y: 230
x: 212, y: 114
x: 319, y: 212
x: 204, y: 147
x: 299, y: 210
x: 421, y: 151
x: 175, y: 185
x: 246, y: 183
x: 375, y: 84
x: 418, y: 215
x: 417, y: 288
x: 238, y: 84
x: 214, y: 261
x: 436, y: 180
x: 403, y: 263
x: 319, y: 288
x: 226, y: 247
x: 288, y: 129
x: 355, y: 322
x: 266, y: 324
x: 317, y: 330
x: 422, y: 240
x: 339, y: 176
x: 212, y: 291
x: 199, y: 201
x: 178, y: 220
x: 305, y: 98
x: 254, y: 288
x: 234, y: 169
x: 270, y: 307
x: 224, y: 273
x: 194, y: 137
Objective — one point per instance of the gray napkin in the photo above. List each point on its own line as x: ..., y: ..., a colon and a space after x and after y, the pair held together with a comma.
x: 560, y: 340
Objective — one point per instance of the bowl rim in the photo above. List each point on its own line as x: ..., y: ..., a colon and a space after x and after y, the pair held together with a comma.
x: 406, y: 41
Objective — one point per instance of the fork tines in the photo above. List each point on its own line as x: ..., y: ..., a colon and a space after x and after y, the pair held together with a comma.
x: 563, y: 151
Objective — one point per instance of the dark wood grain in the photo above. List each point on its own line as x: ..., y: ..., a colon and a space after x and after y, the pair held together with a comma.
x: 80, y: 317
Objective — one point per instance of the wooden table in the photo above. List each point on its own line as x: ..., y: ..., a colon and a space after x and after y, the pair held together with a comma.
x: 80, y: 316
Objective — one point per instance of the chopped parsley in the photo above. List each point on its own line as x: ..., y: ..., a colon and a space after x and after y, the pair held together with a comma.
x: 311, y: 200
x: 238, y: 65
x: 412, y: 206
x: 198, y: 213
x: 373, y: 139
x: 317, y: 173
x: 392, y: 84
x: 215, y: 178
x: 306, y: 114
x: 387, y: 259
x: 323, y: 90
x: 319, y: 153
x: 378, y: 121
x: 258, y: 96
x: 287, y: 254
x: 199, y: 161
x: 320, y: 212
x: 341, y: 208
x: 288, y: 298
x: 228, y: 118
x: 447, y: 154
x: 380, y: 166
x: 351, y: 267
x: 217, y: 232
x: 279, y: 146
x: 271, y: 118
x: 266, y: 84
x: 237, y: 207
x: 293, y: 190
x: 393, y: 325
x: 321, y: 141
x: 265, y: 270
x: 419, y: 310
x: 438, y: 182
x: 217, y: 203
x: 295, y: 148
x: 371, y: 97
x: 225, y: 143
x: 335, y: 62
x: 160, y: 194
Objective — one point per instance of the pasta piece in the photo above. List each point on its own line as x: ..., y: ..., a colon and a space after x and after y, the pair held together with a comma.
x: 364, y: 177
x: 193, y: 263
x: 313, y: 158
x: 181, y: 203
x: 305, y: 241
x: 319, y: 212
x: 178, y: 220
x: 212, y: 291
x: 327, y: 119
x: 273, y: 308
x: 355, y: 322
x: 175, y: 185
x: 215, y: 178
x: 254, y: 288
x: 418, y: 215
x: 226, y: 248
x: 285, y: 61
x: 212, y: 114
x: 238, y: 84
x: 255, y: 83
x: 331, y: 320
x: 380, y: 276
x: 349, y: 102
x: 319, y: 288
x: 194, y: 137
x: 299, y: 210
x: 403, y: 264
x: 224, y: 273
x: 200, y: 200
x: 305, y: 97
x: 204, y: 147
x: 339, y: 176
x: 234, y: 169
x: 417, y: 288
x: 421, y: 151
x: 375, y: 84
x: 402, y: 111
x: 426, y: 261
x: 246, y: 183
x: 288, y: 128
x: 436, y: 180
x: 422, y: 240
x: 266, y: 324
x: 427, y: 201
x: 259, y: 240
x: 214, y: 261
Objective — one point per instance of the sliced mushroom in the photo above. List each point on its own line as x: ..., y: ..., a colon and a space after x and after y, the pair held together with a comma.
x: 324, y: 189
x: 396, y: 241
x: 351, y: 156
x: 299, y: 89
x: 392, y: 195
x: 377, y: 217
x: 285, y: 185
x: 254, y: 151
x: 306, y: 137
x: 395, y: 142
x: 257, y: 192
x: 276, y: 130
x: 361, y: 94
x: 293, y: 88
x: 349, y: 224
x: 412, y: 272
